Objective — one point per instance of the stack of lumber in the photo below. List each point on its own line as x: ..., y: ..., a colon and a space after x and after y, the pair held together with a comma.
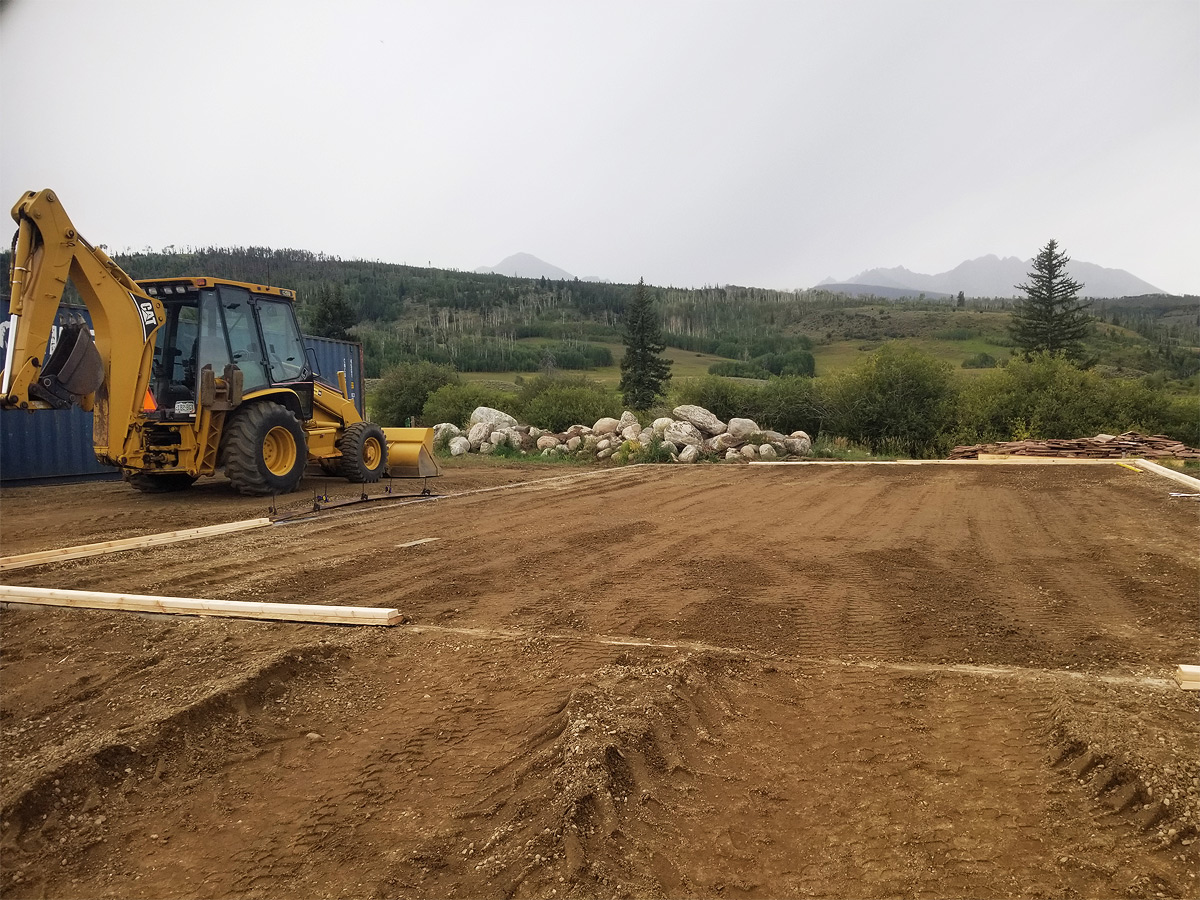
x: 1103, y: 446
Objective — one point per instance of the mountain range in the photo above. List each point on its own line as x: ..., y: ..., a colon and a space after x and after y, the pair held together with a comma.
x: 988, y: 276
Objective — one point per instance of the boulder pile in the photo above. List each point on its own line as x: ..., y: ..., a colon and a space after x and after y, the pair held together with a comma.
x: 691, y: 433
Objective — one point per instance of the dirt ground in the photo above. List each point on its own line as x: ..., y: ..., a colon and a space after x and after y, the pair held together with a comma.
x: 718, y: 681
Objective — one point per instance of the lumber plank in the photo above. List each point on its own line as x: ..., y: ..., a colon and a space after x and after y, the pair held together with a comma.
x: 190, y: 606
x: 1154, y: 467
x: 80, y: 551
x: 1188, y: 677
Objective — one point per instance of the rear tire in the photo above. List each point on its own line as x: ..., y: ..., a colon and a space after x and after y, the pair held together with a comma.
x: 265, y: 450
x: 160, y: 484
x: 364, y: 453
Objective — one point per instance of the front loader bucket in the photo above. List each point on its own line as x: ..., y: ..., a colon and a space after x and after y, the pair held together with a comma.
x: 410, y: 453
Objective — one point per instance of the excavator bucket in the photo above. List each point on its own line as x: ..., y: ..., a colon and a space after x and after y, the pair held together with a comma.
x: 410, y: 453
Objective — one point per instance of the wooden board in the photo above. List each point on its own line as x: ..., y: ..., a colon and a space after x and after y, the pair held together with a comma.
x: 1188, y: 677
x: 1193, y: 483
x: 134, y: 543
x: 288, y: 612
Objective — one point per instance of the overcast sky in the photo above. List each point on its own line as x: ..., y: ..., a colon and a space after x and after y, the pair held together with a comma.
x: 758, y: 143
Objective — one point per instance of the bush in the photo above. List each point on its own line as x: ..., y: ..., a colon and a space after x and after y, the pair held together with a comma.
x: 901, y: 399
x: 720, y: 396
x: 557, y: 407
x: 1048, y: 396
x: 791, y: 403
x: 455, y: 402
x: 730, y: 368
x: 979, y: 361
x: 404, y: 389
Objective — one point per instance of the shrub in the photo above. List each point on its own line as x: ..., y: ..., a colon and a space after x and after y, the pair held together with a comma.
x: 899, y: 398
x: 979, y: 361
x: 731, y: 368
x: 559, y: 406
x: 791, y: 403
x: 720, y: 396
x: 404, y: 389
x: 455, y: 402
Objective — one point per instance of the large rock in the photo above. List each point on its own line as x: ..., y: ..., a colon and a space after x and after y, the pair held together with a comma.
x: 607, y: 425
x: 772, y: 437
x: 750, y: 451
x: 577, y: 431
x: 797, y: 446
x: 479, y: 433
x: 631, y: 432
x: 445, y: 431
x: 732, y: 454
x: 740, y: 429
x: 766, y: 451
x: 459, y: 445
x: 689, y: 454
x: 660, y: 424
x: 573, y: 443
x: 683, y: 433
x: 547, y: 442
x: 727, y: 441
x: 701, y: 418
x: 627, y: 419
x: 493, y: 417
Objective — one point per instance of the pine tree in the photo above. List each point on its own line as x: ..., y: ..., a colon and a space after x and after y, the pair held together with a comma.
x: 333, y: 315
x: 644, y: 370
x: 1051, y: 317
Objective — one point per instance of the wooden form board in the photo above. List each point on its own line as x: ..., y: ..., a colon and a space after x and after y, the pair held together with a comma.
x: 288, y: 612
x: 1193, y: 483
x: 135, y: 543
x: 1188, y: 677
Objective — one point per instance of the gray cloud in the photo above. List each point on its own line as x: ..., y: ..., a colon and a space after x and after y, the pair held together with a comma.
x: 762, y: 143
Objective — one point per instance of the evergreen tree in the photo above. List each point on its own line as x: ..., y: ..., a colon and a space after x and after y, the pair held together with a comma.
x: 644, y: 370
x: 333, y: 316
x: 1051, y: 317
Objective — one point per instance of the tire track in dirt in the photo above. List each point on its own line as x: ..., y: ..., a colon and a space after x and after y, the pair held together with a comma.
x: 836, y: 755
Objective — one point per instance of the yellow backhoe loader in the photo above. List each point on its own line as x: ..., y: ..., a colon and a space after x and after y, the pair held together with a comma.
x: 184, y: 376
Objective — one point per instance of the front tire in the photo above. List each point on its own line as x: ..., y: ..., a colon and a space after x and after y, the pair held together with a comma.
x: 364, y: 453
x: 265, y: 450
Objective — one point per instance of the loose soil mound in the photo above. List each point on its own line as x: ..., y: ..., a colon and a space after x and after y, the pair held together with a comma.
x: 732, y: 681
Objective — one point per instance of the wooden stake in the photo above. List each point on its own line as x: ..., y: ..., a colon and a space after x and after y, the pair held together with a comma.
x: 288, y: 612
x: 135, y: 543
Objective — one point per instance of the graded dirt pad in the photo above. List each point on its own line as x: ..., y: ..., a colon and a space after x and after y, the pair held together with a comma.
x: 669, y: 681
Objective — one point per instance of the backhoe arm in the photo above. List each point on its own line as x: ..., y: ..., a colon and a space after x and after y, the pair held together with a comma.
x: 111, y: 375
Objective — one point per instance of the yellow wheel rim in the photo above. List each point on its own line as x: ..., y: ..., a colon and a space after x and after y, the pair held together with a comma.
x: 279, y: 450
x: 372, y: 453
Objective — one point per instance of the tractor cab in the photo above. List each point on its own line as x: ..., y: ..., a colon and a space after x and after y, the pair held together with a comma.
x: 213, y: 323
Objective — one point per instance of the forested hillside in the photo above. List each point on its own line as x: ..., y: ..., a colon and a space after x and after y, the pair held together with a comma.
x: 483, y: 322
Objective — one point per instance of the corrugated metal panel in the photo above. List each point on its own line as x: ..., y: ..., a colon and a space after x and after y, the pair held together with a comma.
x: 48, y: 443
x: 332, y: 357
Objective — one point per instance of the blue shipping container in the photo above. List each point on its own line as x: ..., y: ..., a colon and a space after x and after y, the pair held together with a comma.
x: 328, y: 357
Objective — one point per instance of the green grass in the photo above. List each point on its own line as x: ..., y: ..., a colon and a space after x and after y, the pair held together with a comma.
x: 684, y: 364
x: 840, y: 355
